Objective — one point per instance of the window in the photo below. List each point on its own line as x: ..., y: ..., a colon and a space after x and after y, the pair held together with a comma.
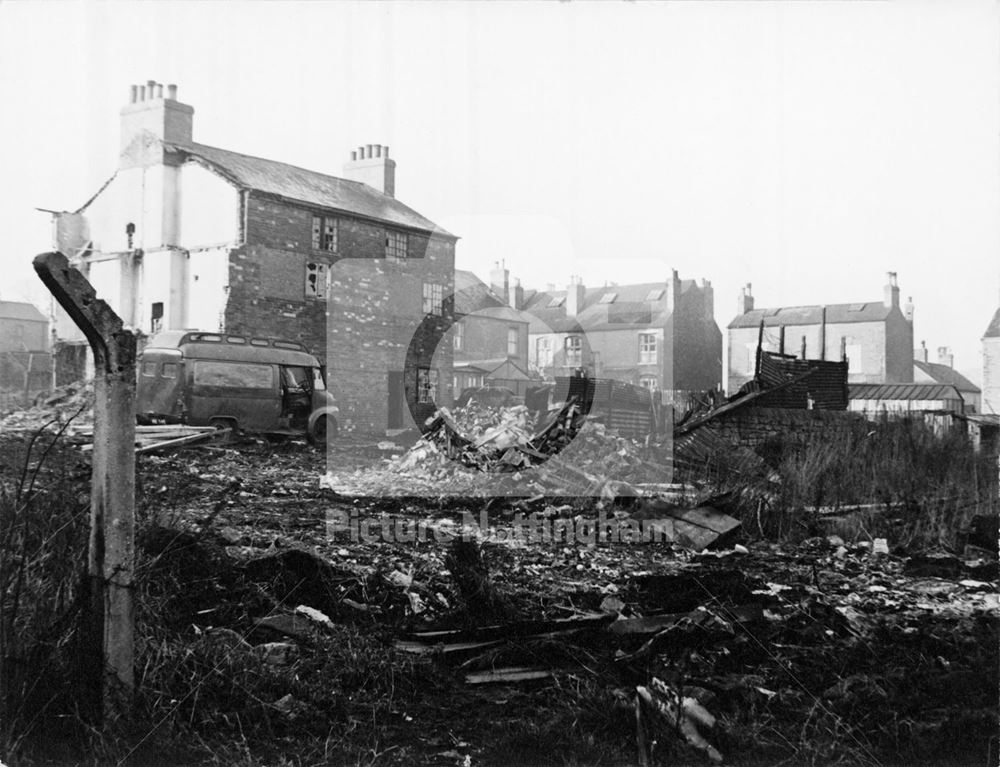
x: 156, y: 317
x: 432, y: 298
x: 512, y: 341
x: 648, y: 382
x: 427, y: 381
x: 324, y: 233
x: 169, y: 370
x: 233, y: 375
x: 149, y: 369
x: 557, y: 301
x: 654, y: 294
x: 573, y: 347
x: 395, y: 246
x: 316, y: 280
x: 647, y: 348
x: 459, y: 336
x: 543, y: 352
x: 608, y: 298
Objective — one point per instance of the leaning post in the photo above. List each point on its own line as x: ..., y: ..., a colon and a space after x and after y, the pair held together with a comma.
x: 110, y: 562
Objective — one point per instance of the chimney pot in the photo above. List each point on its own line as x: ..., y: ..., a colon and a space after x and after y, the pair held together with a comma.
x: 172, y: 92
x: 385, y: 152
x: 354, y: 155
x: 150, y: 85
x: 142, y: 93
x: 368, y: 151
x: 378, y: 150
x: 133, y: 93
x: 159, y: 90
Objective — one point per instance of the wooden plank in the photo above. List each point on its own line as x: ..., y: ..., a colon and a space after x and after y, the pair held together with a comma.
x: 420, y: 648
x: 182, y: 440
x: 508, y: 675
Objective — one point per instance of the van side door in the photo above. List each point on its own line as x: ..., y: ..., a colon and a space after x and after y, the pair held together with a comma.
x: 247, y: 392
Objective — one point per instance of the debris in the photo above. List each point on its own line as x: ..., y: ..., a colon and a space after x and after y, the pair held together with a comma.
x: 314, y: 615
x: 508, y: 675
x: 683, y: 714
x: 275, y: 653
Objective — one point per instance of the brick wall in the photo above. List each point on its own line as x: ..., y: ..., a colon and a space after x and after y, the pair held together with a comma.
x: 752, y: 427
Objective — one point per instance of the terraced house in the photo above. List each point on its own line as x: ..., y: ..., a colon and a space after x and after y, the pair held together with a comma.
x: 185, y: 235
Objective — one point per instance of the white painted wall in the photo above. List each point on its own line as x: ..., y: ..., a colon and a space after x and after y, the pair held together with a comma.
x: 209, y: 208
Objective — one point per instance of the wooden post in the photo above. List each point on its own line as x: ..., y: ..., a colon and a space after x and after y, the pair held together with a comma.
x: 110, y: 563
x: 781, y: 340
x: 803, y: 347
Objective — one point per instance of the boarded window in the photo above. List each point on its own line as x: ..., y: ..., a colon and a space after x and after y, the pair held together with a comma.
x: 233, y: 375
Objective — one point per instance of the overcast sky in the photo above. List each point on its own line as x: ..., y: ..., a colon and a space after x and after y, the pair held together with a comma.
x: 807, y: 148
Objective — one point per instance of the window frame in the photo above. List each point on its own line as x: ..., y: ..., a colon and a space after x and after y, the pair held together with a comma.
x: 647, y: 348
x: 513, y: 341
x: 393, y: 240
x: 427, y: 385
x: 320, y: 224
x: 433, y: 302
x: 322, y: 271
x: 573, y: 350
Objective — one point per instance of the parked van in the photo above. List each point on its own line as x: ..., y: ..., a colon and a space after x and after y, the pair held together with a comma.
x: 241, y: 382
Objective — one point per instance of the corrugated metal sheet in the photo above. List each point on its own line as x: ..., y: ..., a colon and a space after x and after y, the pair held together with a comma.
x: 903, y: 391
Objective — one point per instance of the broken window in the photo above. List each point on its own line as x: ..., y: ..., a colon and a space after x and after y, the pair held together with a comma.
x: 433, y: 298
x: 573, y: 347
x: 647, y: 348
x: 395, y: 246
x: 512, y: 341
x: 315, y: 280
x: 324, y: 233
x: 648, y: 382
x: 427, y: 381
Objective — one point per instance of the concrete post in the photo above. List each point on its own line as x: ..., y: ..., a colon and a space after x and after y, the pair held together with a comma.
x: 112, y: 500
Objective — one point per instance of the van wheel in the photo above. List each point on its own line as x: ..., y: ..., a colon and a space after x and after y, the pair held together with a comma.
x: 323, y: 431
x: 226, y: 423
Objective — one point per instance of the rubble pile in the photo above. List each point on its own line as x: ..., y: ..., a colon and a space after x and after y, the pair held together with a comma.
x: 478, y: 451
x: 73, y: 402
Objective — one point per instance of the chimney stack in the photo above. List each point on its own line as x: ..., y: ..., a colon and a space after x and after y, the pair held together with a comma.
x: 575, y: 293
x: 370, y: 164
x: 921, y: 354
x: 945, y: 357
x: 516, y: 300
x: 908, y: 310
x: 500, y: 281
x: 149, y: 114
x: 745, y: 301
x: 891, y: 296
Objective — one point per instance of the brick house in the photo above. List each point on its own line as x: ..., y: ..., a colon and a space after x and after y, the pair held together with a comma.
x: 490, y: 337
x: 943, y: 372
x: 185, y: 235
x: 875, y: 336
x: 25, y: 361
x: 660, y: 335
x: 991, y: 366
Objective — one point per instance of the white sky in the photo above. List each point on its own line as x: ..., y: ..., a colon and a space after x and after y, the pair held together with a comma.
x: 807, y: 148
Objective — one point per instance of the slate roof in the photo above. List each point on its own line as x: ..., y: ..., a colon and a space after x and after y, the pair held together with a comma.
x: 19, y: 310
x: 472, y: 294
x: 872, y: 311
x: 310, y: 187
x: 993, y: 330
x: 944, y: 374
x: 903, y: 391
x: 630, y: 309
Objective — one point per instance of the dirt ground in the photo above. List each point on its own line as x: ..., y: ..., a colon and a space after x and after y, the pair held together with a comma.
x: 819, y: 652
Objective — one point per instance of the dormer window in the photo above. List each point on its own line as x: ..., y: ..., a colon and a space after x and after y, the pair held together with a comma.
x: 608, y: 298
x: 556, y: 302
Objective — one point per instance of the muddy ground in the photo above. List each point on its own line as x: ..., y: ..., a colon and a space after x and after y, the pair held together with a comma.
x: 821, y: 651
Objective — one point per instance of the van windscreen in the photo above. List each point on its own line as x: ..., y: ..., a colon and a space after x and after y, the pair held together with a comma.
x: 233, y: 375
